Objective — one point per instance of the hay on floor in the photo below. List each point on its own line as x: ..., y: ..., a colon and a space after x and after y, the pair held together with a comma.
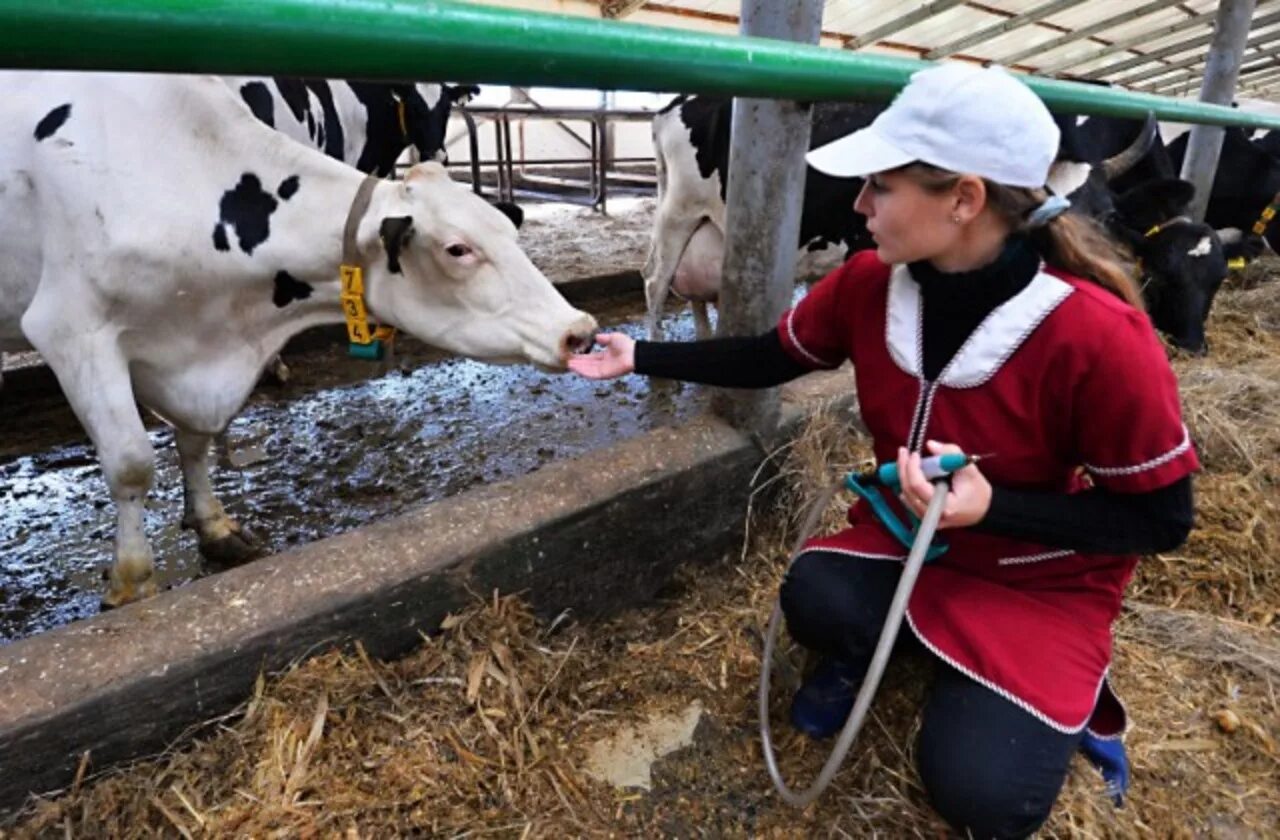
x: 483, y: 730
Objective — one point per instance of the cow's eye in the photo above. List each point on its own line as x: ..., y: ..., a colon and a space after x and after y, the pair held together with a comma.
x: 458, y: 250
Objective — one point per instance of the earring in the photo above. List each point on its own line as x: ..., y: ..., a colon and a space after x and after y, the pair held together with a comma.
x: 955, y: 219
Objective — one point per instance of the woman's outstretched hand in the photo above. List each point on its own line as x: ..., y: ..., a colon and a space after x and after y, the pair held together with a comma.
x: 616, y: 358
x: 967, y: 501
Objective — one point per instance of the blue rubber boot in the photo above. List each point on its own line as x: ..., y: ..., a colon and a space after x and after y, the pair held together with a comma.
x: 1107, y: 754
x: 822, y: 704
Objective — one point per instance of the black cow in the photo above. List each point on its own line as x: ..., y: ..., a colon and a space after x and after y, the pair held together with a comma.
x: 1128, y: 152
x: 1269, y: 142
x: 1181, y: 263
x: 368, y: 125
x: 1246, y: 181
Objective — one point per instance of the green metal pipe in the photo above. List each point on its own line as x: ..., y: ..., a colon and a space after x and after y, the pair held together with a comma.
x: 391, y: 39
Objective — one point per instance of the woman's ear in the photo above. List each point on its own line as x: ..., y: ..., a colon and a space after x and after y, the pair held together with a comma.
x: 969, y: 197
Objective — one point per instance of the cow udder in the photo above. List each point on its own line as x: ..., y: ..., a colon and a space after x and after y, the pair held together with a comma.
x: 698, y: 273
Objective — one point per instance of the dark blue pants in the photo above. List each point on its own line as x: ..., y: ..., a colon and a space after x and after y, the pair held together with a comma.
x: 990, y: 768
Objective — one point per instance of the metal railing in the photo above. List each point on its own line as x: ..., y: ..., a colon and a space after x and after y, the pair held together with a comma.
x: 513, y: 179
x: 433, y: 39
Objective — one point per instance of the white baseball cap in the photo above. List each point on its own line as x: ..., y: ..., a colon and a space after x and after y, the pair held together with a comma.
x: 955, y: 116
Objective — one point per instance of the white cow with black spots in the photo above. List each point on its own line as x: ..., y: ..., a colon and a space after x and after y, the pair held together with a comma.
x: 161, y: 244
x: 369, y: 125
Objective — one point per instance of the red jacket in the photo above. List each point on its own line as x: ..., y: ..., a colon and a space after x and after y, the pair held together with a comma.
x: 1065, y: 385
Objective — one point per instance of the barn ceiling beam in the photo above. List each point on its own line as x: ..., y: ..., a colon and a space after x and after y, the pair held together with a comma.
x: 1174, y: 49
x: 1175, y: 85
x: 1260, y: 82
x: 843, y: 37
x: 898, y: 24
x: 618, y: 9
x: 1127, y: 44
x: 1251, y: 85
x: 1189, y: 82
x: 1265, y: 82
x: 1194, y: 63
x: 989, y: 32
x: 1266, y: 91
x: 733, y: 20
x: 1263, y: 58
x: 1088, y: 31
x: 1152, y: 57
x: 1261, y: 73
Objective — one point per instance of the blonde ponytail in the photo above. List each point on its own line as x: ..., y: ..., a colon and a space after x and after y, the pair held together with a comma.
x: 1074, y: 243
x: 1071, y: 242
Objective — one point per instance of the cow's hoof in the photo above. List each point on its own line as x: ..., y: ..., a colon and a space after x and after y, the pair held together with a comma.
x: 278, y: 372
x: 234, y: 549
x: 119, y: 594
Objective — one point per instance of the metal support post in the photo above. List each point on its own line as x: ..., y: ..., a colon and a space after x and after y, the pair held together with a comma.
x: 1221, y: 69
x: 764, y: 194
x: 473, y: 150
x: 602, y: 124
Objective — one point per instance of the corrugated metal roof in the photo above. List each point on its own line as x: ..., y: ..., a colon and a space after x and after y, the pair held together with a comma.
x: 1158, y: 46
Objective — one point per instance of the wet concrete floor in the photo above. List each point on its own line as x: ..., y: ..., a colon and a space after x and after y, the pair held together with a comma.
x: 336, y: 448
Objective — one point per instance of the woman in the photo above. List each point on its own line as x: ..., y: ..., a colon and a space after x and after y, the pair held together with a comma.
x: 985, y: 321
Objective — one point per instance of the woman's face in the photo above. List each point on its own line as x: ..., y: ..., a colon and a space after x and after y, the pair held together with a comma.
x: 907, y: 222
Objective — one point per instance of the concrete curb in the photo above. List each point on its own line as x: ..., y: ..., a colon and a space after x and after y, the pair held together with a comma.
x: 594, y: 534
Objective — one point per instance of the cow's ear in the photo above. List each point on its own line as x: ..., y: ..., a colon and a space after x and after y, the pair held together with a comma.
x: 395, y: 232
x: 511, y: 211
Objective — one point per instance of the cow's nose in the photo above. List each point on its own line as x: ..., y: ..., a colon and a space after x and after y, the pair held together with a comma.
x: 579, y: 335
x: 577, y: 342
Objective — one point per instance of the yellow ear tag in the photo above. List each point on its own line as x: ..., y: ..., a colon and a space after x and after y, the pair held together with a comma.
x: 353, y: 304
x: 362, y: 343
x: 352, y: 280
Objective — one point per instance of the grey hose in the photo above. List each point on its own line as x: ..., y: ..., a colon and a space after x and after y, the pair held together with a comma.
x: 892, y: 624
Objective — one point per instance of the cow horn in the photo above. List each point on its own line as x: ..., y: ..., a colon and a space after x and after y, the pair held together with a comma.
x: 1117, y: 165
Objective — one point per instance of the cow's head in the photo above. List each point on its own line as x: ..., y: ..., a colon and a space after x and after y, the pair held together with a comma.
x: 1136, y: 211
x: 427, y: 110
x: 1087, y: 183
x: 1183, y: 263
x: 443, y: 264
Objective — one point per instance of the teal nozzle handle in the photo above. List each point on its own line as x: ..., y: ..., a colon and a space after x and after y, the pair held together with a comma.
x: 934, y: 467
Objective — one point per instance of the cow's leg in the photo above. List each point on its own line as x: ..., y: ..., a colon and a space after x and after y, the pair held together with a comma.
x: 701, y: 320
x: 95, y: 379
x: 671, y: 235
x: 222, y: 541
